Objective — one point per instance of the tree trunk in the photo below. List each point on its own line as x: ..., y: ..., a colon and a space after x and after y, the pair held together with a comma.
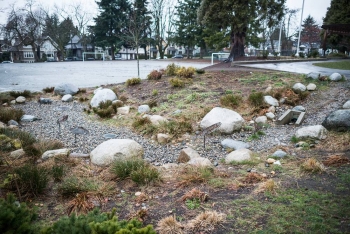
x: 112, y: 51
x: 36, y: 59
x: 237, y: 46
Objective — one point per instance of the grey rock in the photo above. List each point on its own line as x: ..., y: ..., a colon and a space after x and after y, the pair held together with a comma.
x: 346, y: 105
x: 109, y: 136
x: 99, y: 88
x: 261, y: 119
x: 44, y: 101
x: 67, y: 98
x: 156, y: 119
x: 315, y: 132
x: 271, y: 101
x: 143, y: 109
x: 299, y: 108
x: 239, y: 155
x: 187, y: 154
x: 123, y: 110
x: 311, y: 87
x: 12, y: 122
x: 177, y: 112
x: 338, y: 120
x: 65, y: 88
x: 233, y: 144
x: 2, y: 125
x: 17, y: 154
x: 200, y: 162
x: 299, y: 87
x: 335, y: 77
x: 279, y: 153
x: 163, y: 138
x: 13, y: 102
x: 272, y: 109
x: 270, y: 115
x: 54, y: 153
x: 229, y: 119
x: 313, y: 75
x: 29, y: 118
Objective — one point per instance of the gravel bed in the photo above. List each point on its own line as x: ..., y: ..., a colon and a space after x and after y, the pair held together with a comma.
x: 318, y: 106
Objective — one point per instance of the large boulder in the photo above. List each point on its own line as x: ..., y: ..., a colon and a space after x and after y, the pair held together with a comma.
x: 338, y: 120
x: 271, y: 101
x: 65, y: 88
x: 233, y: 144
x: 102, y: 96
x: 20, y: 99
x: 229, y: 119
x: 187, y: 154
x: 55, y: 153
x: 239, y: 155
x: 314, y: 132
x: 313, y: 75
x: 114, y: 149
x: 335, y: 77
x: 299, y: 87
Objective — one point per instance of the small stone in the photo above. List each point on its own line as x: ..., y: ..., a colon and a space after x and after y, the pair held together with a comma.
x: 249, y: 169
x: 270, y: 115
x: 264, y: 175
x: 270, y: 160
x: 273, y: 172
x: 311, y: 87
x: 138, y: 194
x: 20, y: 99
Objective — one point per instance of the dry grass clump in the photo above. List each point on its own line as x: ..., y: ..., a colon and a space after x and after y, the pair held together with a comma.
x: 80, y: 204
x: 48, y: 89
x: 133, y: 81
x: 186, y: 72
x: 253, y: 178
x: 336, y: 161
x: 45, y: 145
x: 8, y: 113
x: 256, y: 99
x: 105, y: 113
x: 206, y: 220
x: 311, y: 165
x: 195, y: 175
x: 267, y: 186
x: 195, y: 194
x: 25, y: 93
x: 231, y: 100
x: 169, y: 225
x: 154, y: 75
x: 171, y: 69
x: 139, y: 215
x: 176, y: 83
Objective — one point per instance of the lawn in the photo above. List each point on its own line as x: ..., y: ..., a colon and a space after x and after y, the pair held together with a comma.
x: 343, y: 65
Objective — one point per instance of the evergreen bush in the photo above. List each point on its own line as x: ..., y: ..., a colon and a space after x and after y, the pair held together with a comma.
x: 133, y: 81
x: 154, y: 75
x: 256, y: 99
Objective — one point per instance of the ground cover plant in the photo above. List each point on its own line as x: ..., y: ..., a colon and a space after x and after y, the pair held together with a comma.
x: 342, y: 65
x: 307, y: 193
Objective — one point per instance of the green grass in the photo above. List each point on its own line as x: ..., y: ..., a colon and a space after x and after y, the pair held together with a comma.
x: 193, y: 203
x: 343, y: 65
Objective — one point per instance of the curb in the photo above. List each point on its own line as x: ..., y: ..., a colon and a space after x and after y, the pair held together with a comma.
x: 277, y: 61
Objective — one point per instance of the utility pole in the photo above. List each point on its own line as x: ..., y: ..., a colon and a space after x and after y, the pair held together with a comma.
x: 301, y: 20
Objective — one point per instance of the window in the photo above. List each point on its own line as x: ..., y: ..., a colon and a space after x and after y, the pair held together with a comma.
x: 28, y: 55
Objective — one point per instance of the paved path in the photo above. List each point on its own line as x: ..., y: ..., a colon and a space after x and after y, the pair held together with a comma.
x: 36, y: 76
x: 299, y: 67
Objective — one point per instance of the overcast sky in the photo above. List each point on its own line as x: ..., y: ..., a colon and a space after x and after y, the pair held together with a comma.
x: 315, y: 8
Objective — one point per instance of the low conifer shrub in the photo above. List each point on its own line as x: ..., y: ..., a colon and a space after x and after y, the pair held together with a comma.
x: 133, y: 81
x: 176, y: 83
x: 154, y: 75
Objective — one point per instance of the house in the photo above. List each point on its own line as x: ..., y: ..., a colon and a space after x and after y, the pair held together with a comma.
x: 76, y: 47
x: 21, y: 52
x: 130, y: 53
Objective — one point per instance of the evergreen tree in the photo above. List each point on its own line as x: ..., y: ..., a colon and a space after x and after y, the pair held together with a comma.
x: 239, y: 21
x: 110, y: 23
x: 310, y: 33
x: 188, y: 30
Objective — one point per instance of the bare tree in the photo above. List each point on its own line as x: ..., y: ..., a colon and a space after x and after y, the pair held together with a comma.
x: 26, y: 24
x: 163, y: 12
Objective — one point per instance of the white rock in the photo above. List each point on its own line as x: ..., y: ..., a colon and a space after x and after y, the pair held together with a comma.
x: 66, y: 88
x: 239, y: 155
x: 143, y: 109
x: 163, y: 138
x: 55, y: 153
x: 233, y: 144
x: 230, y: 120
x: 187, y: 154
x: 268, y: 89
x: 67, y: 98
x: 272, y: 109
x: 200, y: 162
x: 270, y: 115
x: 261, y: 119
x: 102, y: 96
x: 28, y: 118
x: 113, y: 149
x: 335, y: 77
x: 299, y: 108
x: 156, y: 119
x: 279, y: 153
x: 317, y: 132
x: 311, y: 87
x: 271, y: 101
x: 2, y: 125
x: 123, y: 110
x: 99, y: 88
x: 346, y: 105
x: 299, y: 87
x: 20, y: 99
x: 13, y: 102
x: 17, y: 153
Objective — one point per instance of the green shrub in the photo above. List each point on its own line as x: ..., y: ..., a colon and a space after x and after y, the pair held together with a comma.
x: 152, y: 103
x: 200, y: 71
x: 25, y: 93
x: 256, y: 99
x: 48, y: 89
x: 25, y: 138
x: 136, y: 169
x: 31, y: 180
x: 8, y: 113
x: 176, y: 82
x: 57, y: 172
x: 154, y: 75
x: 230, y: 100
x: 337, y: 55
x: 105, y: 113
x: 154, y: 92
x: 301, y: 55
x: 171, y: 69
x: 133, y: 81
x: 97, y: 222
x: 185, y: 72
x: 123, y: 98
x: 193, y: 203
x: 16, y: 217
x: 105, y: 104
x: 72, y: 185
x: 176, y: 127
x: 314, y: 54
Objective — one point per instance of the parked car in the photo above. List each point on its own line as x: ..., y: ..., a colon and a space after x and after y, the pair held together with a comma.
x: 164, y: 57
x: 179, y: 56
